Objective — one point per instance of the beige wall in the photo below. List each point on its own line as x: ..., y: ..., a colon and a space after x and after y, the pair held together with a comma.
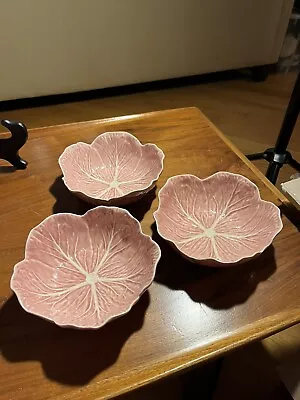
x: 57, y: 46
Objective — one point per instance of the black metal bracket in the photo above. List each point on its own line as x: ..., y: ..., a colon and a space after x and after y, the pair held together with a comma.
x: 9, y: 147
x: 276, y: 161
x: 279, y: 156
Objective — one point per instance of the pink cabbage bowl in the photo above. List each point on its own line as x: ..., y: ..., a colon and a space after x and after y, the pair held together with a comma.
x: 217, y: 221
x: 83, y: 271
x: 116, y: 169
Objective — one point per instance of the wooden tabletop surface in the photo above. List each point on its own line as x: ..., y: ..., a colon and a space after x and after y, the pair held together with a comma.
x: 189, y: 315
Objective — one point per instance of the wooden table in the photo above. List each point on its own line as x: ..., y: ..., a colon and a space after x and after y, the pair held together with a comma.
x: 189, y: 315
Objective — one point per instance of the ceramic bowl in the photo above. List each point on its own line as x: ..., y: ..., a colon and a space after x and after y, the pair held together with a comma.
x: 220, y: 220
x: 83, y: 271
x: 116, y: 169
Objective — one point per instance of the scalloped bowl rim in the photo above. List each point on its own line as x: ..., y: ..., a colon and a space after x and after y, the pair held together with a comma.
x: 78, y: 326
x: 134, y: 193
x: 218, y: 262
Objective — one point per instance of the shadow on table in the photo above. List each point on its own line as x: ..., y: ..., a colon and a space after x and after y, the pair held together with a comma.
x: 140, y: 207
x: 65, y: 200
x: 219, y: 288
x: 291, y: 213
x: 68, y: 202
x: 7, y: 169
x: 68, y: 356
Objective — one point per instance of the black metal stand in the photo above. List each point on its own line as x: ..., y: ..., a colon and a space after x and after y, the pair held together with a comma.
x: 9, y: 148
x: 278, y: 156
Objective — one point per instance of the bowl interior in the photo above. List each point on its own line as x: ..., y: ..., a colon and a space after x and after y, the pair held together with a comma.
x: 221, y: 218
x: 83, y: 271
x: 115, y: 165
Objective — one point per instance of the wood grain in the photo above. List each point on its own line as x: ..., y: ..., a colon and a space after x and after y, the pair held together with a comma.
x: 188, y: 316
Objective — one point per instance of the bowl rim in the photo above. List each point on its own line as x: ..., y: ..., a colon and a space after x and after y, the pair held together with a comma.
x: 134, y: 193
x: 196, y: 260
x: 78, y: 326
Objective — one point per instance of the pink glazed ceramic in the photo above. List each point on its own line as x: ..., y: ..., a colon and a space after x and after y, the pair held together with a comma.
x: 116, y: 169
x: 83, y: 271
x: 219, y: 220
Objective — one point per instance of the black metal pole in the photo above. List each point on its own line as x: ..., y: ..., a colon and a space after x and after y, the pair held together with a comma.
x: 278, y: 156
x: 289, y: 121
x: 273, y: 171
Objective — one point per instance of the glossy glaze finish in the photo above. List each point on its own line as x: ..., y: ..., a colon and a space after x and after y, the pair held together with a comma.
x: 83, y: 271
x: 188, y: 316
x: 216, y: 221
x: 115, y: 169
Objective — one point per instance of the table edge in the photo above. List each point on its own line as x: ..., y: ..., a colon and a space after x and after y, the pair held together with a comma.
x: 283, y: 199
x: 191, y: 359
x: 118, y: 118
